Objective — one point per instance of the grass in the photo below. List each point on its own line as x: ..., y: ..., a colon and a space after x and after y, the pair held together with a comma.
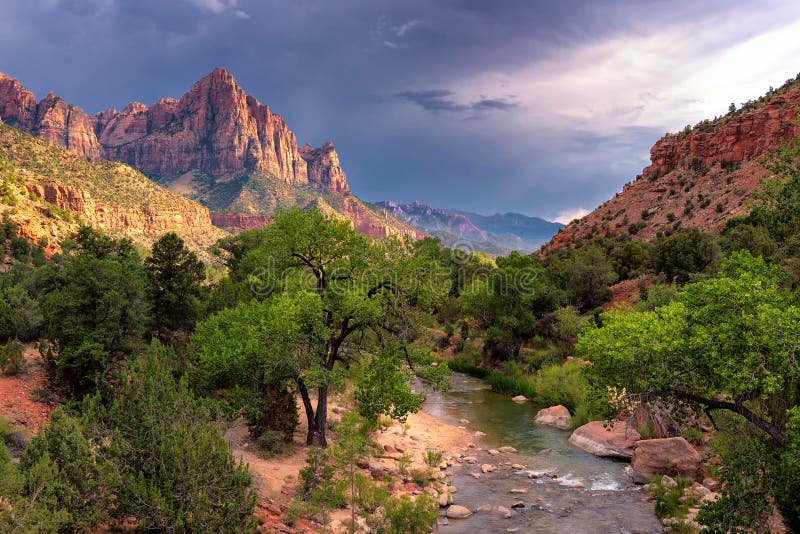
x: 555, y: 384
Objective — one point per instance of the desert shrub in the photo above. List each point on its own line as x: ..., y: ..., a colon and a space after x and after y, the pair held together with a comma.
x: 433, y: 457
x: 669, y: 499
x: 12, y: 360
x: 20, y: 248
x: 693, y: 435
x: 271, y: 442
x: 406, y: 516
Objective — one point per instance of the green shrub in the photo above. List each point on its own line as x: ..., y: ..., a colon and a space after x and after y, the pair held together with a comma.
x: 406, y: 516
x: 272, y: 442
x: 20, y: 248
x: 433, y: 457
x: 692, y: 435
x: 12, y: 359
x: 561, y: 384
x: 669, y: 500
x: 173, y: 470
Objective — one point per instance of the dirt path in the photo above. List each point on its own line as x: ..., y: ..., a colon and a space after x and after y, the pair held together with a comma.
x: 17, y: 403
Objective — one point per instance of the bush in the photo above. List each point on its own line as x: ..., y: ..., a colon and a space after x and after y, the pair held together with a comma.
x: 669, y: 500
x: 12, y: 359
x: 433, y: 457
x: 561, y: 384
x: 271, y: 442
x: 173, y: 470
x: 404, y: 516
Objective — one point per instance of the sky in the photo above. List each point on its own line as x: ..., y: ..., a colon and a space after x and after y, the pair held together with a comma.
x: 534, y: 106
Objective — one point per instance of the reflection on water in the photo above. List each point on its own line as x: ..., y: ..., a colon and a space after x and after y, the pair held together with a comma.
x: 610, y: 503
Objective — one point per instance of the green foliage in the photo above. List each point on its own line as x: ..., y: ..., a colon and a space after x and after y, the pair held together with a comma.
x: 12, y: 360
x: 325, y: 297
x: 172, y: 467
x: 385, y: 388
x: 505, y: 303
x: 726, y: 345
x: 433, y: 457
x: 585, y: 274
x: 406, y: 516
x: 95, y: 306
x: 58, y: 485
x: 685, y: 253
x: 669, y: 499
x: 20, y: 317
x: 272, y: 442
x: 174, y: 274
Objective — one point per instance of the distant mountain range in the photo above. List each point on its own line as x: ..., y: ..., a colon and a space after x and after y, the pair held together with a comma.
x: 494, y: 234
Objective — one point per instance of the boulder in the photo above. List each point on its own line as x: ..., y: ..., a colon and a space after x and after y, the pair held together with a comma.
x: 456, y: 511
x: 555, y: 416
x: 673, y: 456
x: 519, y: 398
x: 616, y: 441
x: 507, y: 449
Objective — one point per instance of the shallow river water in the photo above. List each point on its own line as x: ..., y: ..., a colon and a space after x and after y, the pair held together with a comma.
x: 610, y: 503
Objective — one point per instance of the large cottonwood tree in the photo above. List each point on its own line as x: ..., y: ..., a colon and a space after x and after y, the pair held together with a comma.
x: 325, y: 297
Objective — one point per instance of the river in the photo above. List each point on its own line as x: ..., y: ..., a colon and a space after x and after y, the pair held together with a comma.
x: 610, y: 503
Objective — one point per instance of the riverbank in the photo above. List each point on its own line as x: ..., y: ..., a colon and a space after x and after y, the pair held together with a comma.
x: 497, y: 468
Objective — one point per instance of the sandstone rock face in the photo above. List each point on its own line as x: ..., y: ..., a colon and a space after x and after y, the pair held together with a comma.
x: 238, y: 222
x: 744, y: 137
x: 673, y: 456
x: 555, y: 416
x: 615, y: 442
x: 61, y: 124
x: 184, y: 218
x: 324, y: 168
x: 699, y: 179
x: 17, y: 104
x: 215, y: 128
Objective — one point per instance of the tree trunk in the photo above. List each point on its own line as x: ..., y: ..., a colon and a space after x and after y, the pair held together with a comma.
x: 321, y: 417
x: 308, y: 409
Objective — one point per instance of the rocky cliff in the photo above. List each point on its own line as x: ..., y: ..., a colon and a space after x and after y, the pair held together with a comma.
x: 698, y: 178
x: 215, y: 128
x: 50, y: 192
x: 216, y: 144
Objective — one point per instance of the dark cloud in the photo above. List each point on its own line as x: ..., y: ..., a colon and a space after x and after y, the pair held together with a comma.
x: 437, y: 100
x: 350, y: 70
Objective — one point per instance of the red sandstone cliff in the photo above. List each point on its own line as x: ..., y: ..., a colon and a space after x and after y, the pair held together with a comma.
x: 324, y: 168
x: 215, y: 128
x: 696, y: 179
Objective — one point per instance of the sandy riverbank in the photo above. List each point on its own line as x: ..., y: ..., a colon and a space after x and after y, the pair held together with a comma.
x: 276, y: 478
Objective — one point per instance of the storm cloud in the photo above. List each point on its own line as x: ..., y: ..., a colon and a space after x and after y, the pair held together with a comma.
x: 540, y: 107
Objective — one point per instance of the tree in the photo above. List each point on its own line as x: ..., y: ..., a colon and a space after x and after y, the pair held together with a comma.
x: 728, y: 347
x: 95, y: 306
x: 330, y: 297
x: 686, y: 253
x: 506, y: 302
x: 172, y: 469
x: 582, y: 275
x: 175, y: 275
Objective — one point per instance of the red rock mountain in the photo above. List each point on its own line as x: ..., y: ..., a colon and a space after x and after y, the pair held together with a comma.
x: 216, y: 144
x: 214, y: 128
x: 699, y: 178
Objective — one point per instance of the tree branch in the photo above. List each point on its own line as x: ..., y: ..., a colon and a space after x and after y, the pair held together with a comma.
x: 773, y: 431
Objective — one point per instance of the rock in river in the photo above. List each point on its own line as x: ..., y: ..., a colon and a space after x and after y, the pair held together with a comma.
x: 616, y: 441
x: 556, y: 416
